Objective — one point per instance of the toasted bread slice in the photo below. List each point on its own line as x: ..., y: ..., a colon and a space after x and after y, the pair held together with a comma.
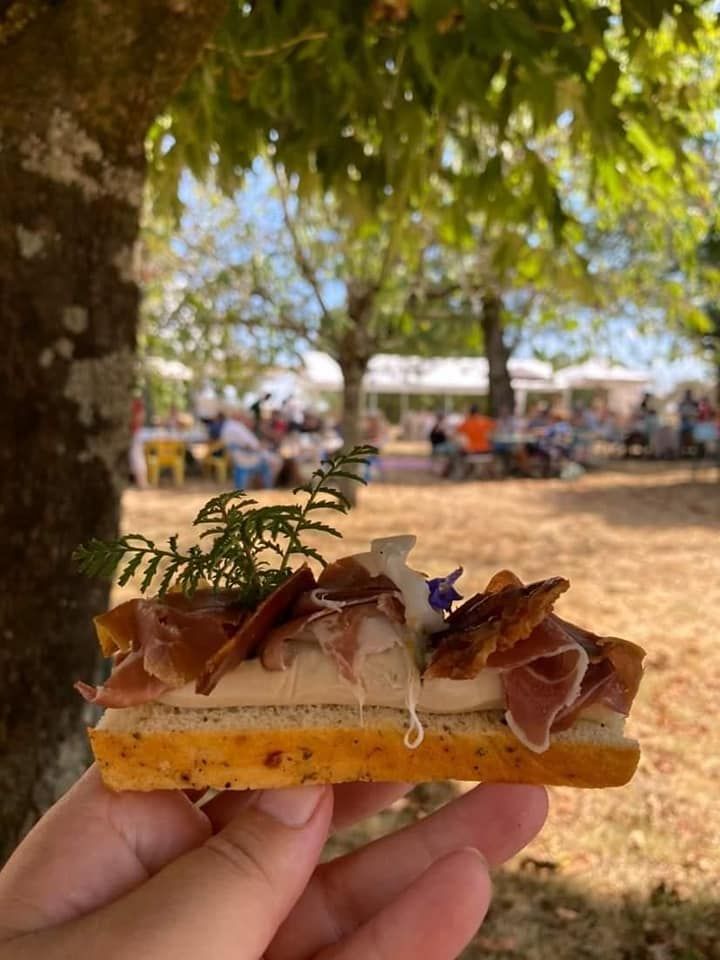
x: 156, y: 746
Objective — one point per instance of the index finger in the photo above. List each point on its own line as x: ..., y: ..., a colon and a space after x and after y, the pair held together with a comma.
x: 495, y: 819
x: 353, y: 802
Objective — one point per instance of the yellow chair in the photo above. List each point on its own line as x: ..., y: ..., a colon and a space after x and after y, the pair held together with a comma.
x: 165, y: 455
x: 216, y: 462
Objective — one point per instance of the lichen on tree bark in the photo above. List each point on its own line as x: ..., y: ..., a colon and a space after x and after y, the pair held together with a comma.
x: 79, y: 85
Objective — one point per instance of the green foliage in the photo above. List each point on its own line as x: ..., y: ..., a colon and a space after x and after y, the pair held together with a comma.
x: 251, y: 546
x: 205, y: 297
x: 354, y: 98
x: 521, y: 141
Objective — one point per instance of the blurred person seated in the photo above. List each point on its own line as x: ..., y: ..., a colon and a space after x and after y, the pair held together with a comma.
x: 705, y: 410
x: 476, y: 430
x: 540, y: 418
x: 705, y: 430
x: 311, y: 423
x: 537, y: 458
x: 688, y: 410
x: 275, y: 427
x: 511, y: 454
x: 215, y: 427
x: 440, y: 444
x: 644, y: 421
x: 473, y: 437
x: 374, y: 432
x: 248, y: 456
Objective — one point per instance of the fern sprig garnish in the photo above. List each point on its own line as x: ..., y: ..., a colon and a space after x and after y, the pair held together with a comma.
x: 242, y: 537
x: 321, y: 485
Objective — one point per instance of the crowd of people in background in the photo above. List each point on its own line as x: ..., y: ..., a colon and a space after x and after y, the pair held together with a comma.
x: 553, y: 442
x: 265, y: 445
x: 689, y: 432
x: 268, y: 444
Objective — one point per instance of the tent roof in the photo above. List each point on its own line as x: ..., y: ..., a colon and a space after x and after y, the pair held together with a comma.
x: 392, y: 373
x: 595, y: 373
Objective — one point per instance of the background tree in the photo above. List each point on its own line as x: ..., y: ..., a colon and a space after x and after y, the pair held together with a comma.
x: 80, y: 83
x: 618, y: 93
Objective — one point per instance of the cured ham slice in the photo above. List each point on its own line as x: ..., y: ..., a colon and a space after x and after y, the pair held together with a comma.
x: 612, y: 678
x: 536, y: 693
x: 551, y: 669
x: 347, y: 615
x: 489, y: 622
x: 161, y: 644
x: 247, y: 639
x: 129, y: 685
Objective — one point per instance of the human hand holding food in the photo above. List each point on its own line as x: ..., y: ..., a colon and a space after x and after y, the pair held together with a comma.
x: 150, y: 875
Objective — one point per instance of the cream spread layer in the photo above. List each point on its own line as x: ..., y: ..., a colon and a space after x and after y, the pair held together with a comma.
x: 387, y: 680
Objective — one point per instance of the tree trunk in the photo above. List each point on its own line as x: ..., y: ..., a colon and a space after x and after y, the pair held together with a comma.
x: 353, y: 350
x: 79, y: 84
x: 501, y: 394
x: 353, y: 369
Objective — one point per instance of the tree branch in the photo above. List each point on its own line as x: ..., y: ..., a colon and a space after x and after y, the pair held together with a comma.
x: 286, y: 44
x: 301, y: 259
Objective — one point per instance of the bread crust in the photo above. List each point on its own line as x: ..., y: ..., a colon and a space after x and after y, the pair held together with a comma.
x: 281, y: 755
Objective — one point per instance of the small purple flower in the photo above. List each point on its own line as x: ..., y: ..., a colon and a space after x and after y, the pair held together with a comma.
x: 442, y: 590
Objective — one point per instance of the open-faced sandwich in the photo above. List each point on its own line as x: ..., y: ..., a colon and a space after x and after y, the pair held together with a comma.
x: 242, y: 672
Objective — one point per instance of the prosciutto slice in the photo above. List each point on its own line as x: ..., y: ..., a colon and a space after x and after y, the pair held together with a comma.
x: 339, y: 615
x: 160, y: 644
x: 128, y: 685
x: 551, y: 669
x: 247, y: 639
x: 612, y: 678
x: 541, y: 675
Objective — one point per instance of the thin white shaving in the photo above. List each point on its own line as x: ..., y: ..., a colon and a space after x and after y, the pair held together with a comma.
x: 415, y: 733
x: 318, y: 596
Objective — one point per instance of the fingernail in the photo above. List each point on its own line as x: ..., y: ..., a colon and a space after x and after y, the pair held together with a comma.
x: 478, y: 853
x: 292, y: 806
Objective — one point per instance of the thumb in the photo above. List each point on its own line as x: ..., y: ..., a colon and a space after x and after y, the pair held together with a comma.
x: 226, y: 898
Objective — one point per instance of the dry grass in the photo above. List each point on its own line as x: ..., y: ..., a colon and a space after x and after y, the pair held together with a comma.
x: 629, y: 873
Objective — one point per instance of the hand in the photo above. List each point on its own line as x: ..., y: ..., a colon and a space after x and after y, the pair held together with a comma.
x: 151, y: 876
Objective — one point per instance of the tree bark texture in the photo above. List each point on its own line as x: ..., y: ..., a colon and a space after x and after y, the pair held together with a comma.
x: 501, y: 395
x: 354, y: 349
x: 79, y: 84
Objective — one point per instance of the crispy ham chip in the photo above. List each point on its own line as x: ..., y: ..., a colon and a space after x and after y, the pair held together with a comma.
x: 550, y: 668
x: 491, y: 621
x: 250, y: 635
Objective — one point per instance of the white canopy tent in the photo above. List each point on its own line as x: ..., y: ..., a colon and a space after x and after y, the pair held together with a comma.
x: 624, y: 386
x: 428, y: 376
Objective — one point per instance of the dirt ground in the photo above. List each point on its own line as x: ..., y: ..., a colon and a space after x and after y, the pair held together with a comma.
x: 626, y: 873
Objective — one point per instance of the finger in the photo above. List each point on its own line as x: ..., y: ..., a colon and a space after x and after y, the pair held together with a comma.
x: 496, y: 819
x: 223, y: 808
x: 435, y: 918
x: 90, y: 848
x: 353, y: 802
x: 226, y: 898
